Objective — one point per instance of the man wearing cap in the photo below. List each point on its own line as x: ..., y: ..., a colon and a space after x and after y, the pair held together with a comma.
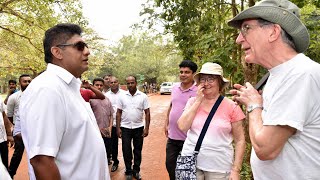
x: 284, y: 123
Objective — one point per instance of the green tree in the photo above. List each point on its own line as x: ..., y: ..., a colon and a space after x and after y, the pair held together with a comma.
x: 151, y: 57
x: 22, y: 28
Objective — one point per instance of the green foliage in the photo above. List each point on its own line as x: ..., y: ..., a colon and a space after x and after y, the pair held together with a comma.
x: 311, y: 17
x: 22, y: 28
x: 151, y: 58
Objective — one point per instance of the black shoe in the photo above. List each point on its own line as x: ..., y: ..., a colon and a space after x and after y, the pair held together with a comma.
x: 109, y: 161
x: 114, y: 167
x: 137, y: 175
x: 128, y: 176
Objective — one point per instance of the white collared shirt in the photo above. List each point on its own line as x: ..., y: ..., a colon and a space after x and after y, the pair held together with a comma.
x: 13, y: 105
x: 132, y: 109
x: 114, y: 99
x: 57, y: 122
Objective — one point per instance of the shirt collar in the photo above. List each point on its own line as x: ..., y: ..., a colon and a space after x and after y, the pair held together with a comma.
x: 137, y: 93
x: 193, y: 87
x: 65, y: 75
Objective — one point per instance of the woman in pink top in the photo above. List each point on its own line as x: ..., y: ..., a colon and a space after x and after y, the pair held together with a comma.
x: 216, y: 159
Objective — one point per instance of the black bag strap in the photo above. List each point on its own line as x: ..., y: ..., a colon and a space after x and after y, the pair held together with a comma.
x: 206, y: 124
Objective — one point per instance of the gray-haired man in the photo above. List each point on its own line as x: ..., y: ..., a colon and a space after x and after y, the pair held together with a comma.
x: 284, y: 123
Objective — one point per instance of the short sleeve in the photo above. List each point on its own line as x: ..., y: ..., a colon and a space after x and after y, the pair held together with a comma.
x: 190, y: 102
x: 146, y: 102
x: 10, y: 105
x: 237, y: 114
x: 1, y: 105
x: 291, y: 104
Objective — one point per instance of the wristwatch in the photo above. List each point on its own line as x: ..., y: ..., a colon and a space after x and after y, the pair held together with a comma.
x: 252, y: 107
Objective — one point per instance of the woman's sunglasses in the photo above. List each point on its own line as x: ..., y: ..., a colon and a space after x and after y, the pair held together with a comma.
x: 79, y: 45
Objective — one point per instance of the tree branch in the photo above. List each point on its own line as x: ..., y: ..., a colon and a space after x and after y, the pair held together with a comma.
x: 22, y: 36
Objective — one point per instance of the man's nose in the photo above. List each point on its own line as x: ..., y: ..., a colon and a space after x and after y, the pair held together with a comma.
x: 240, y: 38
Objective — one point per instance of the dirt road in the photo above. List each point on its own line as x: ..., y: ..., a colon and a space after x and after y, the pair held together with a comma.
x: 153, y: 154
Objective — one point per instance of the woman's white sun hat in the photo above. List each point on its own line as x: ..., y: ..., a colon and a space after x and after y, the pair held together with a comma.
x: 214, y: 69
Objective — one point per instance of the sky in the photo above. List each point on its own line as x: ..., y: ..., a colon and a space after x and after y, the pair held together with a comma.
x: 112, y: 19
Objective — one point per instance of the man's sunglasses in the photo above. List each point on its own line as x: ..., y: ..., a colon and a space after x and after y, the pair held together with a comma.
x: 79, y: 45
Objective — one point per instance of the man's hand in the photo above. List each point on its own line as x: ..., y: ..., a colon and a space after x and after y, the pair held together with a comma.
x: 246, y: 94
x: 85, y: 84
x: 145, y: 132
x: 103, y: 132
x: 119, y: 132
x: 10, y: 141
x: 234, y: 175
x: 109, y: 132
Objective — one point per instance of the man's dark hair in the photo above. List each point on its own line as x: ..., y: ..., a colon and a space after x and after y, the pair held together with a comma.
x: 135, y: 79
x: 97, y: 79
x: 107, y: 75
x: 58, y: 34
x: 12, y: 81
x: 190, y: 64
x: 23, y: 75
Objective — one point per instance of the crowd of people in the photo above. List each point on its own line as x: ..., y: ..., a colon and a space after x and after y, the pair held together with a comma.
x: 71, y: 128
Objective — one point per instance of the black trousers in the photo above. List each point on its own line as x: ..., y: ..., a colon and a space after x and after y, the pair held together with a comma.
x: 107, y: 145
x: 114, y: 146
x: 17, y: 156
x: 134, y: 136
x: 173, y: 149
x: 4, y: 153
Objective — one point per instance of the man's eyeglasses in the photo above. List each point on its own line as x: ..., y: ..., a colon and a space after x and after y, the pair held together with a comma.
x: 245, y: 28
x: 79, y: 45
x: 209, y: 79
x: 113, y: 82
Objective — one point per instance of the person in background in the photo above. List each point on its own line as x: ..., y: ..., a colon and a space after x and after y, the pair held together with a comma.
x: 106, y: 87
x: 217, y: 158
x: 59, y: 130
x: 12, y: 89
x: 103, y: 112
x: 284, y: 122
x: 180, y: 94
x: 113, y: 95
x: 130, y: 125
x: 88, y: 92
x: 12, y: 111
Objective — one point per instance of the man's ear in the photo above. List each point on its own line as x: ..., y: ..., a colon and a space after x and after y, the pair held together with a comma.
x: 56, y: 52
x: 276, y: 33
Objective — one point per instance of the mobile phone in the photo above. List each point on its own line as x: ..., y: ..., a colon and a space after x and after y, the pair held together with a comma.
x: 262, y: 82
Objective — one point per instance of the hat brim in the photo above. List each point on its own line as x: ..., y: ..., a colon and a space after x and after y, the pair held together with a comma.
x: 196, y: 77
x: 286, y: 19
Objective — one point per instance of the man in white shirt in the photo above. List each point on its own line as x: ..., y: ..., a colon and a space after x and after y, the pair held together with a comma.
x: 58, y: 127
x: 113, y: 96
x: 12, y: 110
x: 284, y: 123
x: 130, y: 125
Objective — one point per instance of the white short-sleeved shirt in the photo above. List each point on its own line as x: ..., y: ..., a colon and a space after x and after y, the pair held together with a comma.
x: 216, y: 151
x: 57, y: 122
x: 13, y: 105
x: 132, y: 109
x: 114, y: 99
x: 3, y: 133
x: 291, y: 97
